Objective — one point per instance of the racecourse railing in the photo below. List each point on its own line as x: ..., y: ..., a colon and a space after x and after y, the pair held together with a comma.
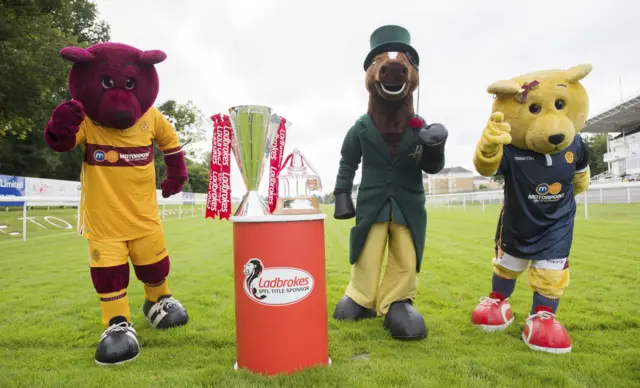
x: 602, y: 193
x: 31, y: 202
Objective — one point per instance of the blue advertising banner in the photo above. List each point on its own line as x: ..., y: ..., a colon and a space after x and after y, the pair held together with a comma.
x: 12, y: 186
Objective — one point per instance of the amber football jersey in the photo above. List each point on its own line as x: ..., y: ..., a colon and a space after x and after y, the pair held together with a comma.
x: 118, y: 198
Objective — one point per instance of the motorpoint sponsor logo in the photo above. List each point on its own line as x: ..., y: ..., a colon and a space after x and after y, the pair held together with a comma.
x: 113, y: 156
x: 99, y: 156
x: 139, y: 156
x: 547, y: 192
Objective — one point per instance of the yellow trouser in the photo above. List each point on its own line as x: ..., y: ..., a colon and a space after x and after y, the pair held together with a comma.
x: 400, y: 277
x: 548, y: 278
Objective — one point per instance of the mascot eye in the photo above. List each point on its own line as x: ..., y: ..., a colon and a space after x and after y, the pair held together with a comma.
x: 130, y: 83
x: 412, y: 60
x: 373, y: 63
x: 107, y: 82
x: 535, y: 108
x: 560, y: 104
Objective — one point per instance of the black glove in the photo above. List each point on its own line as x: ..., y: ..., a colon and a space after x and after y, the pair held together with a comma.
x: 433, y: 139
x: 344, y: 208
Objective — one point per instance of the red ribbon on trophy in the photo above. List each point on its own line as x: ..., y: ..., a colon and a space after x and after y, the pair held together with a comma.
x: 214, y: 170
x: 219, y: 192
x: 225, y: 170
x: 275, y: 161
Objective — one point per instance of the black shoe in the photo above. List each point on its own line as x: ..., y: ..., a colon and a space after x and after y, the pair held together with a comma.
x: 404, y: 322
x: 166, y: 313
x: 348, y: 310
x: 118, y: 343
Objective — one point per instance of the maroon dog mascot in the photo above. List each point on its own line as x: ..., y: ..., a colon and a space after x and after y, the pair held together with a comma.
x: 113, y: 87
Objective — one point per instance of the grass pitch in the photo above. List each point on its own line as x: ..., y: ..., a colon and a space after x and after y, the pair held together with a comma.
x: 50, y: 317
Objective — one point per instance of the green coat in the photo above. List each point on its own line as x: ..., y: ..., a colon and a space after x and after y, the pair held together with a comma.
x: 387, y: 183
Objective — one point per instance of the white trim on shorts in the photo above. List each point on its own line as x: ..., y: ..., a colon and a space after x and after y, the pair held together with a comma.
x: 520, y: 265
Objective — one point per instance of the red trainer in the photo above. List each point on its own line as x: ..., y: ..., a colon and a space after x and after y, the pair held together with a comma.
x: 542, y: 332
x: 493, y: 313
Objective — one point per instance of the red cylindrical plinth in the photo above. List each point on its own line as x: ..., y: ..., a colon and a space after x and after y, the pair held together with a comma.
x: 280, y: 293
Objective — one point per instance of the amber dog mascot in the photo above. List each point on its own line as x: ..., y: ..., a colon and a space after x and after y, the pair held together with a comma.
x: 112, y: 117
x: 395, y: 147
x: 532, y: 139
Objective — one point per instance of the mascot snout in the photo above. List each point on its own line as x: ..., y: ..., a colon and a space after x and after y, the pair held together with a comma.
x: 393, y: 76
x: 119, y: 109
x: 551, y: 134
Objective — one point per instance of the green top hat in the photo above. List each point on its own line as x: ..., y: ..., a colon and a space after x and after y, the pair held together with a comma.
x: 390, y: 38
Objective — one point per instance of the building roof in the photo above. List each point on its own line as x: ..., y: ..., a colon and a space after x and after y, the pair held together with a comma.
x: 448, y: 170
x: 624, y: 117
x: 627, y: 133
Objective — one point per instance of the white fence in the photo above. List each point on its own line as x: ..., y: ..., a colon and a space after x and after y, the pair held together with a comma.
x: 608, y: 193
x: 38, y: 201
x: 20, y: 186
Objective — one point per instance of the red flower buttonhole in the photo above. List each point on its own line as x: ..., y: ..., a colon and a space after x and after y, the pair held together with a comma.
x: 415, y: 123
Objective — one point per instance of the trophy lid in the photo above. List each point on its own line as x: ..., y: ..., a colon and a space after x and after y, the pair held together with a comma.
x: 297, y: 165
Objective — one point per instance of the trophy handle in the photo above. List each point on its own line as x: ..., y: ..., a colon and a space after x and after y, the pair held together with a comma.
x: 309, y: 165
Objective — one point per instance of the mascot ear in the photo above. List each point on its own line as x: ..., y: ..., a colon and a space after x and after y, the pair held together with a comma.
x: 76, y: 55
x: 151, y: 57
x: 576, y: 73
x: 506, y: 87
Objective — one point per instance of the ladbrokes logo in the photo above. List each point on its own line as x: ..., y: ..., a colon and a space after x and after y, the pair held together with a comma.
x: 277, y: 286
x: 547, y: 193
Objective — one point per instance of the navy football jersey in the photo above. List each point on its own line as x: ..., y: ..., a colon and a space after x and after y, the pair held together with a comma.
x: 536, y: 221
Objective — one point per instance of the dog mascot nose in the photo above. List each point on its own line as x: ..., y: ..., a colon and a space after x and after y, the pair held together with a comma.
x: 556, y: 139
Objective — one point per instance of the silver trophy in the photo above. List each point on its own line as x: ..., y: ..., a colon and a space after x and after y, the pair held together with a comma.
x: 254, y: 128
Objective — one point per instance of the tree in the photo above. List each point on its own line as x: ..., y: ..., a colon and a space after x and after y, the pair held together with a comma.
x: 597, y: 147
x: 327, y: 199
x: 498, y: 178
x: 187, y: 120
x: 34, y: 79
x: 198, y: 177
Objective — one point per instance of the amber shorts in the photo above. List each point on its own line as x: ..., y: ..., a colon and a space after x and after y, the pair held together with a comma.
x: 142, y: 251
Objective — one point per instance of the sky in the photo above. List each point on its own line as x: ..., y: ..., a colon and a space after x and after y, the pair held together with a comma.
x: 304, y: 59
